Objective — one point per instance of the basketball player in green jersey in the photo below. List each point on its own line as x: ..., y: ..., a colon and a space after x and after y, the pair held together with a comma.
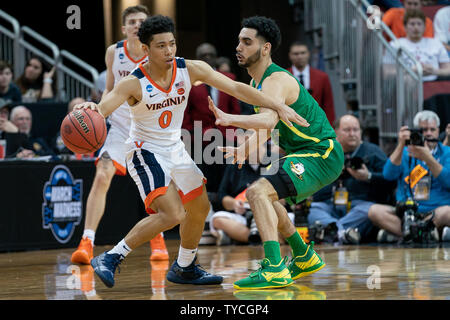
x: 314, y: 158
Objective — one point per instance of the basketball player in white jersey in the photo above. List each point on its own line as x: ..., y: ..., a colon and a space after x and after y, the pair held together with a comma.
x: 121, y: 58
x: 169, y: 181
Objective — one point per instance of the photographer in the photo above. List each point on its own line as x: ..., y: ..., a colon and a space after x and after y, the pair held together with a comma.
x: 421, y: 165
x: 341, y: 208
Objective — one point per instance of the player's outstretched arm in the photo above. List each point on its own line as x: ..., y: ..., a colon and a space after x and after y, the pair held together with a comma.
x: 262, y: 120
x: 201, y: 71
x: 128, y: 89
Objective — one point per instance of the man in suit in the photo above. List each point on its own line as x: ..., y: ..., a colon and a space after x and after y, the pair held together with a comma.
x: 197, y: 110
x: 315, y: 81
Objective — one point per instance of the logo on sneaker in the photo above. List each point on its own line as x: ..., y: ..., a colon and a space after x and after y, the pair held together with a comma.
x: 280, y: 282
x: 62, y: 207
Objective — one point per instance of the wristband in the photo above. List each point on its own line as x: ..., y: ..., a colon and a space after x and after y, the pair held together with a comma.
x: 48, y: 80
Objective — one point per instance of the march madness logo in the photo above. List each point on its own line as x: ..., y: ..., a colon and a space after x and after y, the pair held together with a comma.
x: 62, y: 207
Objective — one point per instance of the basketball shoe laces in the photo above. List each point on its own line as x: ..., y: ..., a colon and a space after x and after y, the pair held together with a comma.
x: 110, y: 259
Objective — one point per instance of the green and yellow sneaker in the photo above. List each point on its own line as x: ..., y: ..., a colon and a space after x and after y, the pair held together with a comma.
x: 266, y: 277
x: 308, y: 263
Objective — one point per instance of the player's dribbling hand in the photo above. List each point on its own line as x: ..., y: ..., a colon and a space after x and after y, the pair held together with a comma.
x: 86, y: 105
x: 288, y: 115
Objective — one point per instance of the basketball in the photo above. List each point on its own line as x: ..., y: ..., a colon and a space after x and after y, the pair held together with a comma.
x: 83, y: 131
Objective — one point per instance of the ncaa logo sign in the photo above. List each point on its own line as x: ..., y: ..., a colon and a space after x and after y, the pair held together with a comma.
x: 62, y: 207
x: 121, y: 56
x: 149, y: 88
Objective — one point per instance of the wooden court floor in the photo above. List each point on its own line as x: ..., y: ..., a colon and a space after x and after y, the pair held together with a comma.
x: 352, y: 272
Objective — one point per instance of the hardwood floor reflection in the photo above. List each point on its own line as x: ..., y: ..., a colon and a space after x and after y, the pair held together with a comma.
x: 352, y: 272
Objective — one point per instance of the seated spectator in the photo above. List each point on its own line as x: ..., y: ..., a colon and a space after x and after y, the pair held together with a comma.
x: 8, y: 89
x: 34, y: 146
x: 394, y: 18
x: 428, y: 51
x: 441, y: 25
x: 36, y: 81
x: 58, y: 144
x: 223, y: 64
x: 431, y: 191
x: 6, y: 126
x: 341, y: 209
x: 315, y: 81
x: 445, y: 136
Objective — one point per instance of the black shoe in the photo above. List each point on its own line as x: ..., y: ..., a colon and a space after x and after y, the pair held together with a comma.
x: 192, y: 274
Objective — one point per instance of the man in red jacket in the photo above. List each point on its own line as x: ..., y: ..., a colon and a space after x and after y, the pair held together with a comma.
x: 315, y: 81
x: 198, y: 110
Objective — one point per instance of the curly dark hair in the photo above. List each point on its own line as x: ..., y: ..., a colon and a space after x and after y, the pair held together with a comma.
x: 266, y: 28
x: 155, y: 25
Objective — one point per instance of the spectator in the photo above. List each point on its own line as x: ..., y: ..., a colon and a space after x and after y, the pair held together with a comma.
x: 6, y: 126
x: 341, y: 208
x: 442, y: 27
x: 394, y: 17
x: 445, y: 136
x: 34, y: 146
x: 432, y: 191
x: 223, y: 64
x: 428, y: 51
x: 198, y: 110
x: 36, y: 81
x: 8, y: 90
x: 57, y: 143
x: 315, y: 81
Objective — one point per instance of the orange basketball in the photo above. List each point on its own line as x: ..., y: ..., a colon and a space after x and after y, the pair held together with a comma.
x: 83, y: 131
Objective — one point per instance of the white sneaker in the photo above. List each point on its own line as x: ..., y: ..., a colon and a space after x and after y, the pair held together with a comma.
x: 446, y: 234
x: 222, y: 238
x: 386, y: 237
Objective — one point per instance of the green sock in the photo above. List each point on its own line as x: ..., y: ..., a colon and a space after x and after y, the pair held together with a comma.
x: 297, y: 244
x: 272, y: 251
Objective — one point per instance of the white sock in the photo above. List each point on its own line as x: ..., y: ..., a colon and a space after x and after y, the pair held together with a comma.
x: 121, y: 248
x: 186, y: 256
x: 90, y: 234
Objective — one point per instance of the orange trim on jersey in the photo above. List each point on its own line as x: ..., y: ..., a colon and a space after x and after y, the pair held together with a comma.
x: 120, y: 170
x: 197, y: 192
x: 152, y: 196
x: 128, y: 55
x: 174, y: 75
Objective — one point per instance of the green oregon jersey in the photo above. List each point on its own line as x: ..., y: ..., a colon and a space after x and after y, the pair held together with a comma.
x: 293, y: 139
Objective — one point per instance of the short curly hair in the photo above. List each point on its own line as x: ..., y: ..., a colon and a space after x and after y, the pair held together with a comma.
x: 155, y: 25
x: 266, y: 28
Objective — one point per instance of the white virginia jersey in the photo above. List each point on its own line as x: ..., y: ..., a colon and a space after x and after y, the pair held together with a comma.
x: 122, y: 66
x: 157, y: 118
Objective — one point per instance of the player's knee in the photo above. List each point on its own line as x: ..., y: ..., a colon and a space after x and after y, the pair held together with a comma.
x: 174, y: 218
x: 103, y: 177
x: 259, y: 191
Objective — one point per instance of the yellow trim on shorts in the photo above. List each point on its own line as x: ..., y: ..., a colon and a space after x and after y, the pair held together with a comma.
x: 305, y: 155
x: 314, y: 155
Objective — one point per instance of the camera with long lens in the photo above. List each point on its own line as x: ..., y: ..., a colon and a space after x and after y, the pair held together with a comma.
x: 414, y: 226
x: 416, y: 137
